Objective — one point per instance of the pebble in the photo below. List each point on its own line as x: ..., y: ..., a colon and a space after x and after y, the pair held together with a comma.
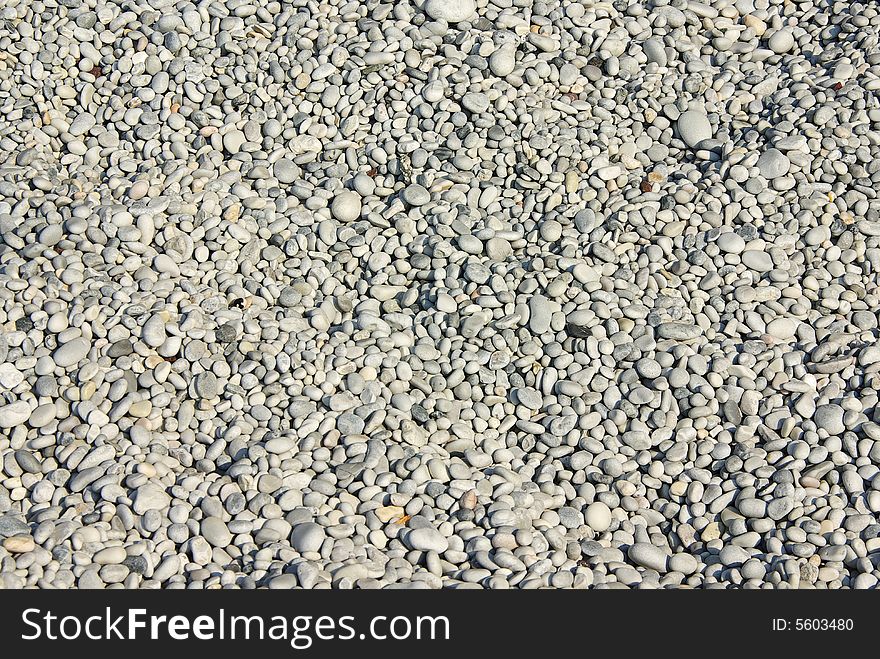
x: 19, y: 544
x: 451, y: 11
x: 445, y: 294
x: 694, y: 127
x: 150, y: 497
x: 206, y: 386
x: 655, y: 52
x: 649, y: 556
x: 416, y: 195
x: 598, y: 516
x: 307, y: 537
x: 10, y: 377
x: 12, y: 526
x: 346, y: 206
x: 781, y: 41
x: 14, y: 414
x: 109, y: 556
x: 153, y: 332
x: 829, y: 418
x: 426, y: 539
x: 285, y: 170
x: 731, y: 242
x: 475, y: 102
x: 233, y: 141
x: 773, y: 163
x: 502, y: 62
x: 687, y: 564
x: 782, y: 328
x: 71, y: 353
x: 678, y: 331
x: 214, y: 530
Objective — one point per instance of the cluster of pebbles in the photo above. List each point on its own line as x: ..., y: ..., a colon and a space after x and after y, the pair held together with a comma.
x: 443, y: 293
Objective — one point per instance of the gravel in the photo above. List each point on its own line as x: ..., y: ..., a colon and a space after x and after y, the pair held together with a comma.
x: 436, y: 294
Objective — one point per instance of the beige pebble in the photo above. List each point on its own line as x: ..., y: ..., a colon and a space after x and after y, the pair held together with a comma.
x: 19, y: 544
x: 389, y: 513
x: 712, y: 531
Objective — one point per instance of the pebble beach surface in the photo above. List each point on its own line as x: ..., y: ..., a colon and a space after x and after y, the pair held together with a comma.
x: 455, y: 293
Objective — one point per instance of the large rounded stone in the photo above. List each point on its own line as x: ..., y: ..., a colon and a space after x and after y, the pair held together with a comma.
x: 451, y: 11
x: 307, y: 537
x: 346, y: 206
x: 694, y: 127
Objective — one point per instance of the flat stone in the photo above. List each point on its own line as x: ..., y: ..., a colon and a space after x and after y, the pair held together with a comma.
x: 758, y: 260
x: 82, y: 124
x: 476, y: 102
x: 109, y: 556
x: 636, y: 439
x: 28, y: 461
x: 731, y: 242
x: 686, y: 564
x: 206, y: 386
x: 121, y: 348
x: 19, y: 544
x: 529, y: 398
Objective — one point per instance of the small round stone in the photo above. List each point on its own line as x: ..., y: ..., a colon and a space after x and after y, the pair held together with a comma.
x: 226, y: 333
x: 206, y: 385
x: 346, y: 206
x: 451, y: 11
x: 694, y: 127
x: 598, y: 516
x: 415, y: 195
